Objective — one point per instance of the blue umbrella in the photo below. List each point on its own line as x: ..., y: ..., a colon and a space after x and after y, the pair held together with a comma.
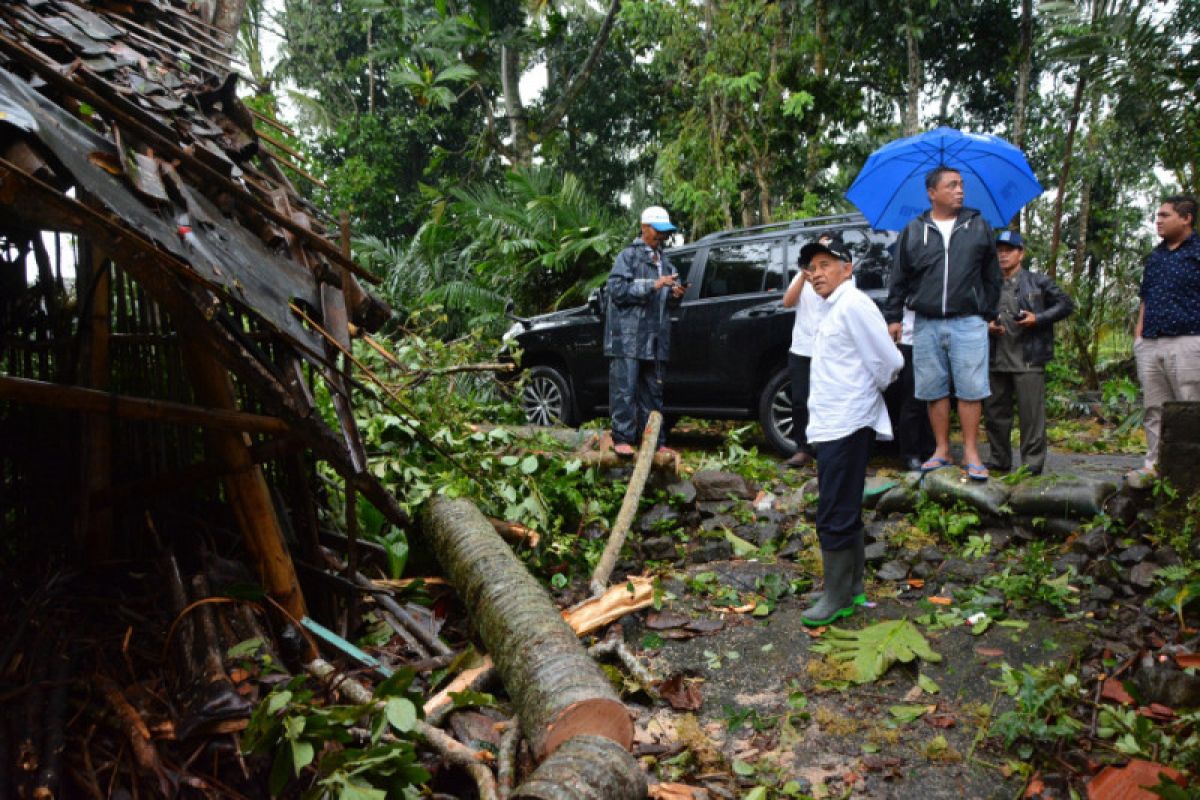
x: 997, y: 179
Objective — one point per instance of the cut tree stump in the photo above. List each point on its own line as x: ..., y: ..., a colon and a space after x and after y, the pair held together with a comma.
x: 586, y: 768
x: 559, y: 692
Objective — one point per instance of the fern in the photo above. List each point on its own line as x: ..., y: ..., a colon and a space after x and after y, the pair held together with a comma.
x: 872, y: 650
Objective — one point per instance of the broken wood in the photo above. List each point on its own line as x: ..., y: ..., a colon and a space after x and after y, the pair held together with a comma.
x: 437, y: 707
x: 92, y: 401
x: 130, y: 724
x: 629, y: 506
x: 634, y: 594
x: 558, y: 691
x: 515, y: 532
x: 246, y: 487
x: 586, y: 768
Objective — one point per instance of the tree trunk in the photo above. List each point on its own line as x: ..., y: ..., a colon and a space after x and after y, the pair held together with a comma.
x: 514, y: 109
x: 1024, y: 71
x: 1064, y: 175
x: 813, y: 146
x: 586, y: 768
x: 582, y: 75
x: 912, y: 97
x: 558, y: 690
x: 228, y: 17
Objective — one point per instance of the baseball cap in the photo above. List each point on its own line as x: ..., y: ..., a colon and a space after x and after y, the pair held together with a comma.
x: 1010, y: 238
x: 656, y: 217
x: 826, y: 243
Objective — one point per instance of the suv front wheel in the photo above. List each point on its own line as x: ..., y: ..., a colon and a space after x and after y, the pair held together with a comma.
x: 546, y: 397
x: 775, y: 412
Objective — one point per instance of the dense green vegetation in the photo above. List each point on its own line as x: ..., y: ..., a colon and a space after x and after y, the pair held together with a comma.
x: 731, y: 113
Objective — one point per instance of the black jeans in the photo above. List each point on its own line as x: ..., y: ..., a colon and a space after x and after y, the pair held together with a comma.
x: 841, y: 477
x: 914, y: 436
x: 635, y: 388
x: 798, y: 369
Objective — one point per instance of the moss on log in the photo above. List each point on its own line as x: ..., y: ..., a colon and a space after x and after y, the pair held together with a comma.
x: 586, y: 768
x: 558, y: 690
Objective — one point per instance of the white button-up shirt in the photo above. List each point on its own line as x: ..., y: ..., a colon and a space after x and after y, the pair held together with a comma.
x: 854, y: 360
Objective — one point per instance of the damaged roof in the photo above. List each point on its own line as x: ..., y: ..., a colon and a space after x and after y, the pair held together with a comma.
x: 123, y: 115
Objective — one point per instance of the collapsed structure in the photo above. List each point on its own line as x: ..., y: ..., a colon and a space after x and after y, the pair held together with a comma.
x: 209, y: 300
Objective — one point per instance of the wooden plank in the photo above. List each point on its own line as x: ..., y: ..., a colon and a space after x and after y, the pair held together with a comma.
x: 92, y: 401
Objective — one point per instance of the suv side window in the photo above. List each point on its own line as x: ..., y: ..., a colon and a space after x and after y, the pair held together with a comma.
x: 735, y: 269
x: 682, y: 262
x: 872, y: 259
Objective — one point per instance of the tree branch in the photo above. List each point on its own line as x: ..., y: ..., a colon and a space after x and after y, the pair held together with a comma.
x: 580, y: 78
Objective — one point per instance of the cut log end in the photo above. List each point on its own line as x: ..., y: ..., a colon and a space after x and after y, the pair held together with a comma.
x: 600, y: 717
x: 586, y: 768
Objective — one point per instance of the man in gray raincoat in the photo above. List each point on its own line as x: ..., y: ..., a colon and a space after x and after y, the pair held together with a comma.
x: 637, y: 330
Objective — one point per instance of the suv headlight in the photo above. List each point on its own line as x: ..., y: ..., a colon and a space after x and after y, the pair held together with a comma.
x: 512, y: 332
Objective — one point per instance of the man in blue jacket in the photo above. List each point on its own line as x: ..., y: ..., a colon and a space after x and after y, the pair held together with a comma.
x: 1022, y: 344
x: 947, y: 271
x: 637, y: 330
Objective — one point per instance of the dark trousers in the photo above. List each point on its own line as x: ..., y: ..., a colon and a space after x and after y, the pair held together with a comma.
x: 635, y: 388
x: 841, y: 477
x: 798, y: 369
x: 1028, y: 391
x: 914, y: 436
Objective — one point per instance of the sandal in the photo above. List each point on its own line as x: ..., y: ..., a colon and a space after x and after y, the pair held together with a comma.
x: 977, y: 472
x: 623, y: 449
x: 937, y: 462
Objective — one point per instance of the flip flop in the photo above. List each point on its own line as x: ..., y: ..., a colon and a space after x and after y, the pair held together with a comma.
x: 937, y: 462
x: 623, y: 449
x: 666, y: 451
x: 977, y: 472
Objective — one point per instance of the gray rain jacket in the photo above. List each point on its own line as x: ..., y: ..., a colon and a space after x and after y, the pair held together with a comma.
x: 637, y: 324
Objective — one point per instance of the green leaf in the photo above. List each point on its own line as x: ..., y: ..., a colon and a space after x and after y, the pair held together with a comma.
x: 302, y: 756
x: 277, y: 701
x: 401, y: 713
x: 742, y: 768
x: 244, y: 649
x: 741, y: 548
x: 455, y: 72
x: 928, y: 685
x: 875, y: 648
x: 905, y: 714
x: 757, y: 793
x: 471, y: 698
x: 529, y: 465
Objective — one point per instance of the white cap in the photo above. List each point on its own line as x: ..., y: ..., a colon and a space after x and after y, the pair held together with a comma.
x: 656, y: 217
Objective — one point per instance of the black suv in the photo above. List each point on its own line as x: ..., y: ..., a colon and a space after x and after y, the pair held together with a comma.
x: 729, y: 337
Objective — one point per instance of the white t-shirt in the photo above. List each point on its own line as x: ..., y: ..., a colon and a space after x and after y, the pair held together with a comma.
x: 854, y: 360
x: 906, y: 326
x: 945, y: 226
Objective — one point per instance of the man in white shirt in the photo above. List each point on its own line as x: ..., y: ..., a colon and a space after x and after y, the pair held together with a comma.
x: 854, y: 359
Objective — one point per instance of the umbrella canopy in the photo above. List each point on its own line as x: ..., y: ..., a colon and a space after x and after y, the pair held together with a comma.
x: 997, y: 179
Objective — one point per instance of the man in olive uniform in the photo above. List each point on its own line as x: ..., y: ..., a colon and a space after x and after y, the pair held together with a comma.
x: 637, y: 330
x: 1022, y: 342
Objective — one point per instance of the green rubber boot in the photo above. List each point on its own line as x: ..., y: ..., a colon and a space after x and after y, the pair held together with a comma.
x: 856, y: 585
x: 836, y: 601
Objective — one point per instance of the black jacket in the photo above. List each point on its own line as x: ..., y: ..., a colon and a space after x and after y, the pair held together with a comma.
x: 1038, y: 294
x: 965, y: 284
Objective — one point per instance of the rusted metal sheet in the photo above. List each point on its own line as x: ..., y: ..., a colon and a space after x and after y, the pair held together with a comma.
x: 226, y: 256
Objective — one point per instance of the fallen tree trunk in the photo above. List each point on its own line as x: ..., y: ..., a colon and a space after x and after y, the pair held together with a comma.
x: 558, y: 690
x: 593, y: 448
x: 586, y: 768
x: 629, y: 506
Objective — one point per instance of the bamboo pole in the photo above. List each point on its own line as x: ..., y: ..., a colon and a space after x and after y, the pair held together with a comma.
x: 96, y: 521
x: 245, y: 486
x: 91, y: 401
x: 629, y: 506
x: 558, y: 690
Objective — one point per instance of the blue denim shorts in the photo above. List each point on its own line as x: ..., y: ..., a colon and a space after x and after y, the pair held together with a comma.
x: 950, y: 348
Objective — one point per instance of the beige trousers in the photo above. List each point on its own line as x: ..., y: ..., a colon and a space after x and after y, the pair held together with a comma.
x: 1168, y: 369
